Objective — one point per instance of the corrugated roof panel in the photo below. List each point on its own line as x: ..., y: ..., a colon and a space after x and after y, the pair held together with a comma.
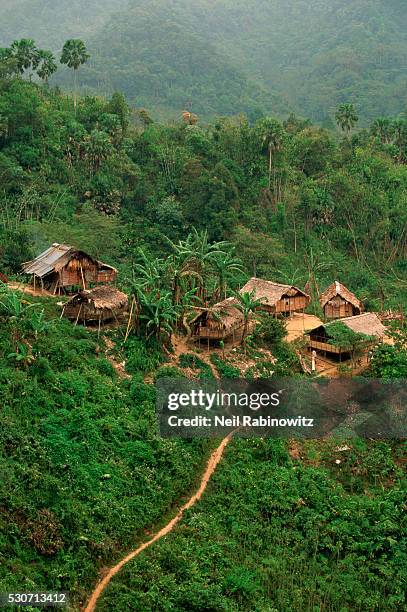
x: 45, y: 262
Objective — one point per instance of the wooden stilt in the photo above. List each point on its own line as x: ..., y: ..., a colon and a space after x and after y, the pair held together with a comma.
x: 99, y: 328
x: 129, y: 321
x: 83, y: 278
x: 79, y: 312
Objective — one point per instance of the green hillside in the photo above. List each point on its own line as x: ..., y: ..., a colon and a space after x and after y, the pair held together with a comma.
x: 231, y: 56
x: 51, y: 22
x: 306, y: 56
x: 188, y: 211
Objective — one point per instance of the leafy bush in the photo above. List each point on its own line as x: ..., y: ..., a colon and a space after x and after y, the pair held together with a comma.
x: 225, y: 369
x: 190, y: 360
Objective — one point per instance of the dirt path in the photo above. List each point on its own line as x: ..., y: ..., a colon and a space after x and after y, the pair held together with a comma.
x: 214, y: 459
x: 29, y: 290
x: 119, y: 367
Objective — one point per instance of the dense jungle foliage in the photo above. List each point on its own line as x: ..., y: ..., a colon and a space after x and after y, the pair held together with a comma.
x: 84, y: 474
x: 231, y: 56
x: 280, y: 534
x: 301, y: 205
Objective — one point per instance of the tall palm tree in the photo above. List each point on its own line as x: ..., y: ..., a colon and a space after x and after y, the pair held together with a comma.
x: 74, y: 55
x: 346, y: 117
x: 97, y: 149
x: 26, y: 54
x: 46, y: 65
x: 383, y: 128
x: 272, y: 136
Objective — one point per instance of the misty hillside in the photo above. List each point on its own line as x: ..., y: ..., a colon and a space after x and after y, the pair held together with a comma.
x: 230, y: 56
x: 51, y: 22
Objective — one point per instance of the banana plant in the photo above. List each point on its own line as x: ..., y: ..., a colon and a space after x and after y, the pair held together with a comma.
x: 23, y: 355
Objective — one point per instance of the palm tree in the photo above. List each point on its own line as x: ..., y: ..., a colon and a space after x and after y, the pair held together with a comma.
x: 346, y: 117
x: 26, y: 54
x: 383, y: 128
x: 97, y: 149
x: 8, y: 63
x: 47, y: 65
x: 74, y: 55
x: 247, y: 304
x: 272, y: 135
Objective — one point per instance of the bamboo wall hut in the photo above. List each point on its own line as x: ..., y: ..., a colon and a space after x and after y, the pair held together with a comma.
x: 277, y: 298
x: 62, y: 266
x: 218, y: 322
x: 101, y: 303
x: 367, y: 323
x: 338, y: 302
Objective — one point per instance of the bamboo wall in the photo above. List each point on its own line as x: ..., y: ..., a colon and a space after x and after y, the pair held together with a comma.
x: 287, y: 305
x: 106, y: 276
x: 339, y: 310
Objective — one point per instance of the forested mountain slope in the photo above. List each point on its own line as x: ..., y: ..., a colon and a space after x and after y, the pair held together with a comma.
x: 231, y: 56
x: 51, y: 22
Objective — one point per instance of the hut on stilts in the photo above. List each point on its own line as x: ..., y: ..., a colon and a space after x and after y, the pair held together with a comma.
x: 276, y: 298
x: 367, y: 324
x: 99, y: 304
x: 219, y: 322
x: 61, y: 268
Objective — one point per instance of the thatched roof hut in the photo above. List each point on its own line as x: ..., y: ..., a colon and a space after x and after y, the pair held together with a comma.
x: 275, y: 297
x: 367, y: 323
x: 62, y: 265
x: 99, y: 304
x: 218, y: 322
x: 338, y: 302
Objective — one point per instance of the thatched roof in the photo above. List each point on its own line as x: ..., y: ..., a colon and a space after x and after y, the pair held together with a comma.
x: 269, y: 292
x: 367, y: 323
x: 56, y: 257
x: 103, y: 297
x: 338, y: 289
x: 224, y: 314
x: 227, y: 313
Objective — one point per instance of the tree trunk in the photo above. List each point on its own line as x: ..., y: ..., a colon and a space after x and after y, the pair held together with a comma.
x: 75, y: 75
x: 244, y: 330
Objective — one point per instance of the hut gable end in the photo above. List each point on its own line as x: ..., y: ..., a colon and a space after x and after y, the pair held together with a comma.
x: 339, y: 290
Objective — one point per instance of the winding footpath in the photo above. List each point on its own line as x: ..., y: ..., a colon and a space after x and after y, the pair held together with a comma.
x: 214, y: 459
